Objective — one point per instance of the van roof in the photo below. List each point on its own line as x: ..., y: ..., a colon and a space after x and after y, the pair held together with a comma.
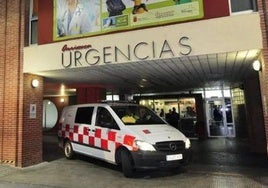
x: 119, y: 103
x: 106, y: 104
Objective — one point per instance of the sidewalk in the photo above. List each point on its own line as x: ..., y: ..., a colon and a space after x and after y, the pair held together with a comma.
x: 78, y: 173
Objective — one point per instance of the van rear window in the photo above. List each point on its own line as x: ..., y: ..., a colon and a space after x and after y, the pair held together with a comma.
x: 84, y: 115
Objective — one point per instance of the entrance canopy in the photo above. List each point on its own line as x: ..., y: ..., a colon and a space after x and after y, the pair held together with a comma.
x: 167, y: 59
x: 167, y: 75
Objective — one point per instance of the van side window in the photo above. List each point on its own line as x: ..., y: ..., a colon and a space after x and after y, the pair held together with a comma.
x: 84, y: 115
x: 105, y: 119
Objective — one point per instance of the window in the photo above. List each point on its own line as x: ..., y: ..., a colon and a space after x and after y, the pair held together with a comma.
x: 137, y: 115
x: 84, y: 115
x: 112, y: 97
x: 105, y: 119
x: 50, y: 114
x: 33, y: 32
x: 238, y: 6
x: 33, y: 22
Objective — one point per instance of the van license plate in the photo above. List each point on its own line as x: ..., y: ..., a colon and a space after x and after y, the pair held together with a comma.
x: 174, y: 157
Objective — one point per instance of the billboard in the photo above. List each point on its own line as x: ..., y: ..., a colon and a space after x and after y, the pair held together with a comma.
x: 78, y: 18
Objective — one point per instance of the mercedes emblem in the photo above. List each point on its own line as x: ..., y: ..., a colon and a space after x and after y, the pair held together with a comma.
x: 172, y: 146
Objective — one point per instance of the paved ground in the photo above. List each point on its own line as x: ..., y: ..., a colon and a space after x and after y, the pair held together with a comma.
x: 216, y: 163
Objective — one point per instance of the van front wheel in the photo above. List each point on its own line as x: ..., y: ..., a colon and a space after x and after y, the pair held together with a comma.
x: 127, y: 164
x: 68, y: 150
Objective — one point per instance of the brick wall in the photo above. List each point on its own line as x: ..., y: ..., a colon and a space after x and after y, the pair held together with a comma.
x: 2, y: 74
x: 11, y: 40
x: 263, y: 11
x: 20, y: 136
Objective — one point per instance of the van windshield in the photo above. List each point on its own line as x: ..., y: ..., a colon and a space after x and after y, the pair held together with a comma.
x: 137, y: 115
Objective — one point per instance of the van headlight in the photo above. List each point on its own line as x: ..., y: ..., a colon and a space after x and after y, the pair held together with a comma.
x: 144, y: 146
x: 187, y: 143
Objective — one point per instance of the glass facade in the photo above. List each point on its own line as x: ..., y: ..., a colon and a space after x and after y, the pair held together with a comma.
x: 184, y: 107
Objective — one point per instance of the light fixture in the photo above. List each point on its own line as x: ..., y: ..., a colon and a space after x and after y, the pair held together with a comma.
x: 62, y: 89
x: 35, y: 83
x: 256, y: 65
x: 62, y: 100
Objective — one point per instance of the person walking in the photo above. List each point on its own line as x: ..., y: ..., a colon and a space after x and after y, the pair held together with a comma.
x: 174, y: 118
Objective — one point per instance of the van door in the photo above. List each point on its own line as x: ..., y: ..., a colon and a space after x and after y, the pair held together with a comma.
x: 81, y: 135
x: 106, y: 132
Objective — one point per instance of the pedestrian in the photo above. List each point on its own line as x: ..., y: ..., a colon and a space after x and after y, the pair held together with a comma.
x: 162, y: 113
x: 174, y: 118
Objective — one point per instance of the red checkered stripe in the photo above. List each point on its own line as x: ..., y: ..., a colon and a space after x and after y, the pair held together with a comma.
x: 100, y: 139
x: 60, y: 131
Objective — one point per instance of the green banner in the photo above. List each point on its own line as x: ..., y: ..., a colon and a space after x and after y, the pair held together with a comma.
x: 78, y: 18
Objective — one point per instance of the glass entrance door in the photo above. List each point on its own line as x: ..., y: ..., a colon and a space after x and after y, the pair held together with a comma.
x: 219, y: 118
x: 229, y: 118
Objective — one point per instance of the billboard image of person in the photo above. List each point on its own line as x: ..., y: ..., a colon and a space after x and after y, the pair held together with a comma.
x: 76, y: 17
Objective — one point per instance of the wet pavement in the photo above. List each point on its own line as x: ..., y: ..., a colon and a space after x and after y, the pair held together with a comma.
x: 216, y: 163
x: 227, y: 152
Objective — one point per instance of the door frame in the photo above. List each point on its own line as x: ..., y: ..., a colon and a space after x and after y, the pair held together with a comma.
x: 224, y: 119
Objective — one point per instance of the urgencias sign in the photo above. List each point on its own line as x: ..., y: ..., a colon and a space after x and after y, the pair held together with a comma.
x: 86, y: 55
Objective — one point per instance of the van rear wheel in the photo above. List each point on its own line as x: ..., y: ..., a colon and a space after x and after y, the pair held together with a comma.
x: 68, y: 150
x: 127, y: 164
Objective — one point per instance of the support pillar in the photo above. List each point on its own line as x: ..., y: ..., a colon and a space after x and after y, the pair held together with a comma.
x: 263, y: 11
x: 32, y: 130
x: 255, y: 120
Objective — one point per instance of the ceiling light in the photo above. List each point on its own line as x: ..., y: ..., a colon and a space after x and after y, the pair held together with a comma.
x: 35, y: 83
x: 256, y: 65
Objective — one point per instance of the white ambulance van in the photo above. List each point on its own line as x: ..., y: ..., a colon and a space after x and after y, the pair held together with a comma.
x: 124, y: 134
